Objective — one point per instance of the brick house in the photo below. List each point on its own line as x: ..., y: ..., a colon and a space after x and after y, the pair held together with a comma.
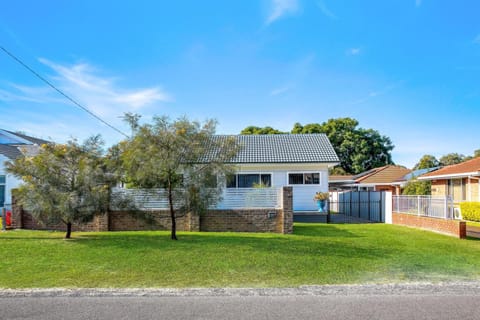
x: 460, y: 181
x: 386, y: 178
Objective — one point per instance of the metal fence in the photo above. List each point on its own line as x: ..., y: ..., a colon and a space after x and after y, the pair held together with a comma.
x: 241, y: 198
x: 427, y: 206
x: 363, y: 205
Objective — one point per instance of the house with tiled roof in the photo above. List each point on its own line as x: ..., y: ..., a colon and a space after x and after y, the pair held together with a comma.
x: 12, y: 146
x: 386, y: 178
x: 460, y: 181
x: 297, y: 160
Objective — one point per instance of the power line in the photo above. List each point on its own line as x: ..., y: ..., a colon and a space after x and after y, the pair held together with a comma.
x: 61, y: 92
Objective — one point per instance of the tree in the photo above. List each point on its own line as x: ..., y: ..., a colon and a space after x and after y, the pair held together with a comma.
x: 259, y: 130
x: 425, y: 162
x: 451, y: 158
x: 476, y: 153
x: 358, y: 149
x: 416, y: 187
x: 65, y: 183
x: 183, y: 157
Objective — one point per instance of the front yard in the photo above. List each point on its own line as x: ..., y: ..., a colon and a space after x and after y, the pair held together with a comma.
x: 316, y: 254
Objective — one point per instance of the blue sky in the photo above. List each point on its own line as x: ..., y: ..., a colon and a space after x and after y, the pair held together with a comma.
x: 407, y: 68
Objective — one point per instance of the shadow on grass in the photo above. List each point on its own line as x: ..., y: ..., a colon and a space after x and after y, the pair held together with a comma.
x: 307, y: 241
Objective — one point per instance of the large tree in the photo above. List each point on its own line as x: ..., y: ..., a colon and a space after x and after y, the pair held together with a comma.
x: 183, y: 157
x: 427, y: 161
x: 451, y: 158
x: 65, y: 183
x: 260, y: 130
x: 358, y: 149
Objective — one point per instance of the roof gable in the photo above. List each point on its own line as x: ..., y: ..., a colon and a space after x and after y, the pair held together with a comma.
x: 470, y: 167
x: 386, y: 174
x: 283, y: 148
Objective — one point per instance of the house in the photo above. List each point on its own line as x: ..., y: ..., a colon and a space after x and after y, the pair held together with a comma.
x: 297, y: 160
x: 386, y: 178
x: 460, y: 181
x: 12, y: 146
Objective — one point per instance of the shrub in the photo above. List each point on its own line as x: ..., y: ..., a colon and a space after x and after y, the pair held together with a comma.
x: 470, y: 210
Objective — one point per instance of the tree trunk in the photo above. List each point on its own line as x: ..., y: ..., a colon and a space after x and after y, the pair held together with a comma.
x: 69, y: 230
x: 172, y: 213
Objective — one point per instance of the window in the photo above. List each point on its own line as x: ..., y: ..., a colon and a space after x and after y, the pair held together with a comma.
x: 249, y: 180
x: 456, y: 188
x: 304, y: 178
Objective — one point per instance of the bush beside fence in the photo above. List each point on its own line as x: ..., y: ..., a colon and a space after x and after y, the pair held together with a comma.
x: 470, y: 210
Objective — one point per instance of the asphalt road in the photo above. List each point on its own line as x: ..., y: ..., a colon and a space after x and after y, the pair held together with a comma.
x: 370, y: 303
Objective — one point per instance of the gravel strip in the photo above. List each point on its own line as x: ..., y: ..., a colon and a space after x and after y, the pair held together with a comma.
x: 447, y: 288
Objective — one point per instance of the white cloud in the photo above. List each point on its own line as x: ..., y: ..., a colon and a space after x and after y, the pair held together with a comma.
x: 102, y: 95
x: 418, y: 3
x: 280, y: 8
x: 280, y: 90
x: 354, y: 51
x: 323, y: 7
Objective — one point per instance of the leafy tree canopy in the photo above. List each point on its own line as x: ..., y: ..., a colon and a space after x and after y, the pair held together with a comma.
x: 171, y: 155
x: 427, y: 161
x: 66, y: 183
x: 260, y: 130
x: 451, y: 158
x: 416, y: 187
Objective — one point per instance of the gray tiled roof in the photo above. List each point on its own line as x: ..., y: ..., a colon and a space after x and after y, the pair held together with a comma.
x: 14, y: 144
x: 28, y: 138
x: 10, y: 151
x: 283, y: 148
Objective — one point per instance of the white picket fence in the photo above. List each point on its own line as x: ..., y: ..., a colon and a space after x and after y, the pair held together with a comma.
x: 428, y: 206
x: 242, y: 198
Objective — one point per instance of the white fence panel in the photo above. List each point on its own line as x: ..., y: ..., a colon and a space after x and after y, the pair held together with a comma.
x: 245, y: 198
x: 428, y: 206
x: 242, y: 198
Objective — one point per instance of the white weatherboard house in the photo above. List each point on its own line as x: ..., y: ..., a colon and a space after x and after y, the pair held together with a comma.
x: 297, y: 160
x: 12, y: 146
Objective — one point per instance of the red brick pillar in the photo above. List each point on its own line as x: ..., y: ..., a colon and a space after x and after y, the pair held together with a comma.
x: 17, y: 214
x: 287, y: 210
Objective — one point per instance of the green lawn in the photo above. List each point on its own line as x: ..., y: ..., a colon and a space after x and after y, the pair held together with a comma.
x: 315, y: 254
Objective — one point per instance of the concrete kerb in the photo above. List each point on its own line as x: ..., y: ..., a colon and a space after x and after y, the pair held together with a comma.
x: 447, y: 288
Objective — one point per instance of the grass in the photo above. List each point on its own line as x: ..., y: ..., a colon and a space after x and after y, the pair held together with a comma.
x: 315, y: 254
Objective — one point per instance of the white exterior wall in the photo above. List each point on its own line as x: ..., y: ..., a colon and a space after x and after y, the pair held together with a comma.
x: 302, y: 194
x: 10, y: 181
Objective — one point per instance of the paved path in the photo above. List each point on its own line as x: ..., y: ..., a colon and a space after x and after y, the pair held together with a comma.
x: 473, y: 231
x: 408, y: 301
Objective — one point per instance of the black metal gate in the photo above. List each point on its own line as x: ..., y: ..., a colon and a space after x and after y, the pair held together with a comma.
x: 357, y: 206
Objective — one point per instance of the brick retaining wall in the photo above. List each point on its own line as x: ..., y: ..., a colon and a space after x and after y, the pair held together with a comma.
x: 242, y: 220
x: 450, y: 227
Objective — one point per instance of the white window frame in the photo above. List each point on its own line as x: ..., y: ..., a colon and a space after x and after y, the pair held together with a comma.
x: 249, y: 172
x: 303, y: 173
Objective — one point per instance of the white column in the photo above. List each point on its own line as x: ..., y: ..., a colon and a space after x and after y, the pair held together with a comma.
x: 388, y: 207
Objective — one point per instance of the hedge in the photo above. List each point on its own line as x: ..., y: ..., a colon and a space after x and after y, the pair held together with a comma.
x: 470, y: 210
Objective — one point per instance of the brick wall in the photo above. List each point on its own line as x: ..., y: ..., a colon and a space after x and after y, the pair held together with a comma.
x: 450, y: 227
x: 245, y: 220
x: 124, y: 221
x: 254, y: 220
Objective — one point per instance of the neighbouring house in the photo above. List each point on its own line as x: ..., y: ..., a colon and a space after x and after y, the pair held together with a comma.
x: 460, y: 181
x: 12, y: 146
x: 386, y: 178
x: 297, y: 160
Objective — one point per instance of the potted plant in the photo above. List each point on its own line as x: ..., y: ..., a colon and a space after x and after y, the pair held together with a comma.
x: 321, y: 198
